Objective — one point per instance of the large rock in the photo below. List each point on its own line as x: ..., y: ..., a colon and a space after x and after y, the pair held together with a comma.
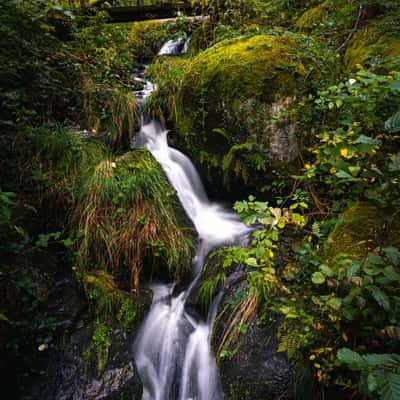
x: 252, y: 368
x: 235, y: 112
x: 375, y: 46
x: 331, y: 21
x: 72, y: 372
x: 54, y: 331
x: 361, y: 228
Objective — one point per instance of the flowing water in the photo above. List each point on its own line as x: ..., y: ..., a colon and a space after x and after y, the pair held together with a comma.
x: 175, y: 47
x: 172, y: 349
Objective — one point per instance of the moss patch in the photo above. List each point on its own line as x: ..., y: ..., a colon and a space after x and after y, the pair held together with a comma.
x: 330, y: 21
x: 362, y: 228
x: 377, y: 46
x: 242, y: 93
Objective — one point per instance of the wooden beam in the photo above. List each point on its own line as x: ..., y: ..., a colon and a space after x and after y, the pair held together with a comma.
x: 143, y: 13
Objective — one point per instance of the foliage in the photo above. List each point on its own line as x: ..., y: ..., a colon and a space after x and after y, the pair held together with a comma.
x: 357, y: 157
x: 167, y: 74
x: 380, y: 373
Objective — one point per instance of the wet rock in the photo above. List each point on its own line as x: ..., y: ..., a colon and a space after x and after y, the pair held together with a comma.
x: 72, y: 372
x: 250, y: 365
x: 60, y: 362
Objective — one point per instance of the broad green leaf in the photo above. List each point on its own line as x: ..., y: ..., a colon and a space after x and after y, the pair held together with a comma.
x: 393, y: 254
x: 252, y: 262
x: 374, y: 258
x: 326, y: 270
x: 353, y: 270
x: 368, y: 140
x: 394, y: 165
x: 391, y: 274
x: 353, y: 359
x: 354, y: 170
x: 392, y: 125
x: 380, y: 297
x: 334, y: 303
x: 318, y: 278
x: 391, y: 387
x: 344, y: 175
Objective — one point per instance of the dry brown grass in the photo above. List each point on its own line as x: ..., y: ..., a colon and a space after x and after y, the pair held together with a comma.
x: 241, y: 316
x: 128, y: 216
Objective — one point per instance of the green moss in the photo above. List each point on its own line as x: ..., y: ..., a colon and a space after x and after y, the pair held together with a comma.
x: 167, y: 73
x: 127, y: 314
x: 242, y: 92
x: 331, y: 21
x: 102, y: 342
x: 362, y: 227
x: 147, y: 37
x: 377, y: 46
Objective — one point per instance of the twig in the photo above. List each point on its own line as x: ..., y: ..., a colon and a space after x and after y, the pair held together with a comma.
x: 344, y: 44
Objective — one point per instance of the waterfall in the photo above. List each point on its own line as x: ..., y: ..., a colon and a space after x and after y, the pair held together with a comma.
x: 172, y: 349
x: 175, y: 46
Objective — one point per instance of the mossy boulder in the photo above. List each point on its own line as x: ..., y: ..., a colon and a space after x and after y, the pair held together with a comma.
x: 132, y: 221
x: 236, y: 104
x: 362, y: 228
x: 376, y: 46
x: 331, y: 21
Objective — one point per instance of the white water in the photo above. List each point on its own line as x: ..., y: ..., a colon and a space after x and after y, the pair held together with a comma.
x: 172, y: 349
x: 174, y: 47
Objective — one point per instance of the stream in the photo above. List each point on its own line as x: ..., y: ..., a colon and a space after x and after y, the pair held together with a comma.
x: 172, y: 349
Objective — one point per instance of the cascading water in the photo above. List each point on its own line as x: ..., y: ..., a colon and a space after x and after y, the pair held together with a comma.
x: 172, y: 349
x: 175, y: 47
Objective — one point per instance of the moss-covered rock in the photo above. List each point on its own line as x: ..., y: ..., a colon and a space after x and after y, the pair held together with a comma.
x: 331, y: 21
x: 131, y: 218
x: 376, y: 46
x: 236, y: 100
x: 362, y: 228
x: 146, y: 38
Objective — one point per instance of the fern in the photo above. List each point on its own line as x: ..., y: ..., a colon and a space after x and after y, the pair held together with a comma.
x: 392, y: 125
x: 291, y: 343
x: 380, y: 373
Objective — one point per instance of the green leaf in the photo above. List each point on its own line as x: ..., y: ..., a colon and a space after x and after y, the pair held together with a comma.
x: 372, y: 382
x: 391, y: 388
x: 353, y: 270
x: 68, y: 242
x: 374, y: 258
x: 354, y: 170
x: 252, y: 262
x: 334, y: 303
x: 392, y: 125
x: 381, y: 360
x: 380, y: 297
x: 353, y: 359
x: 393, y: 254
x: 395, y: 86
x: 368, y: 140
x: 345, y: 175
x: 391, y: 274
x: 318, y: 278
x: 326, y: 270
x: 394, y: 165
x: 227, y: 262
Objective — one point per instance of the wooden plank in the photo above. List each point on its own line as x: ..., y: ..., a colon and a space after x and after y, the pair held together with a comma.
x: 143, y: 13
